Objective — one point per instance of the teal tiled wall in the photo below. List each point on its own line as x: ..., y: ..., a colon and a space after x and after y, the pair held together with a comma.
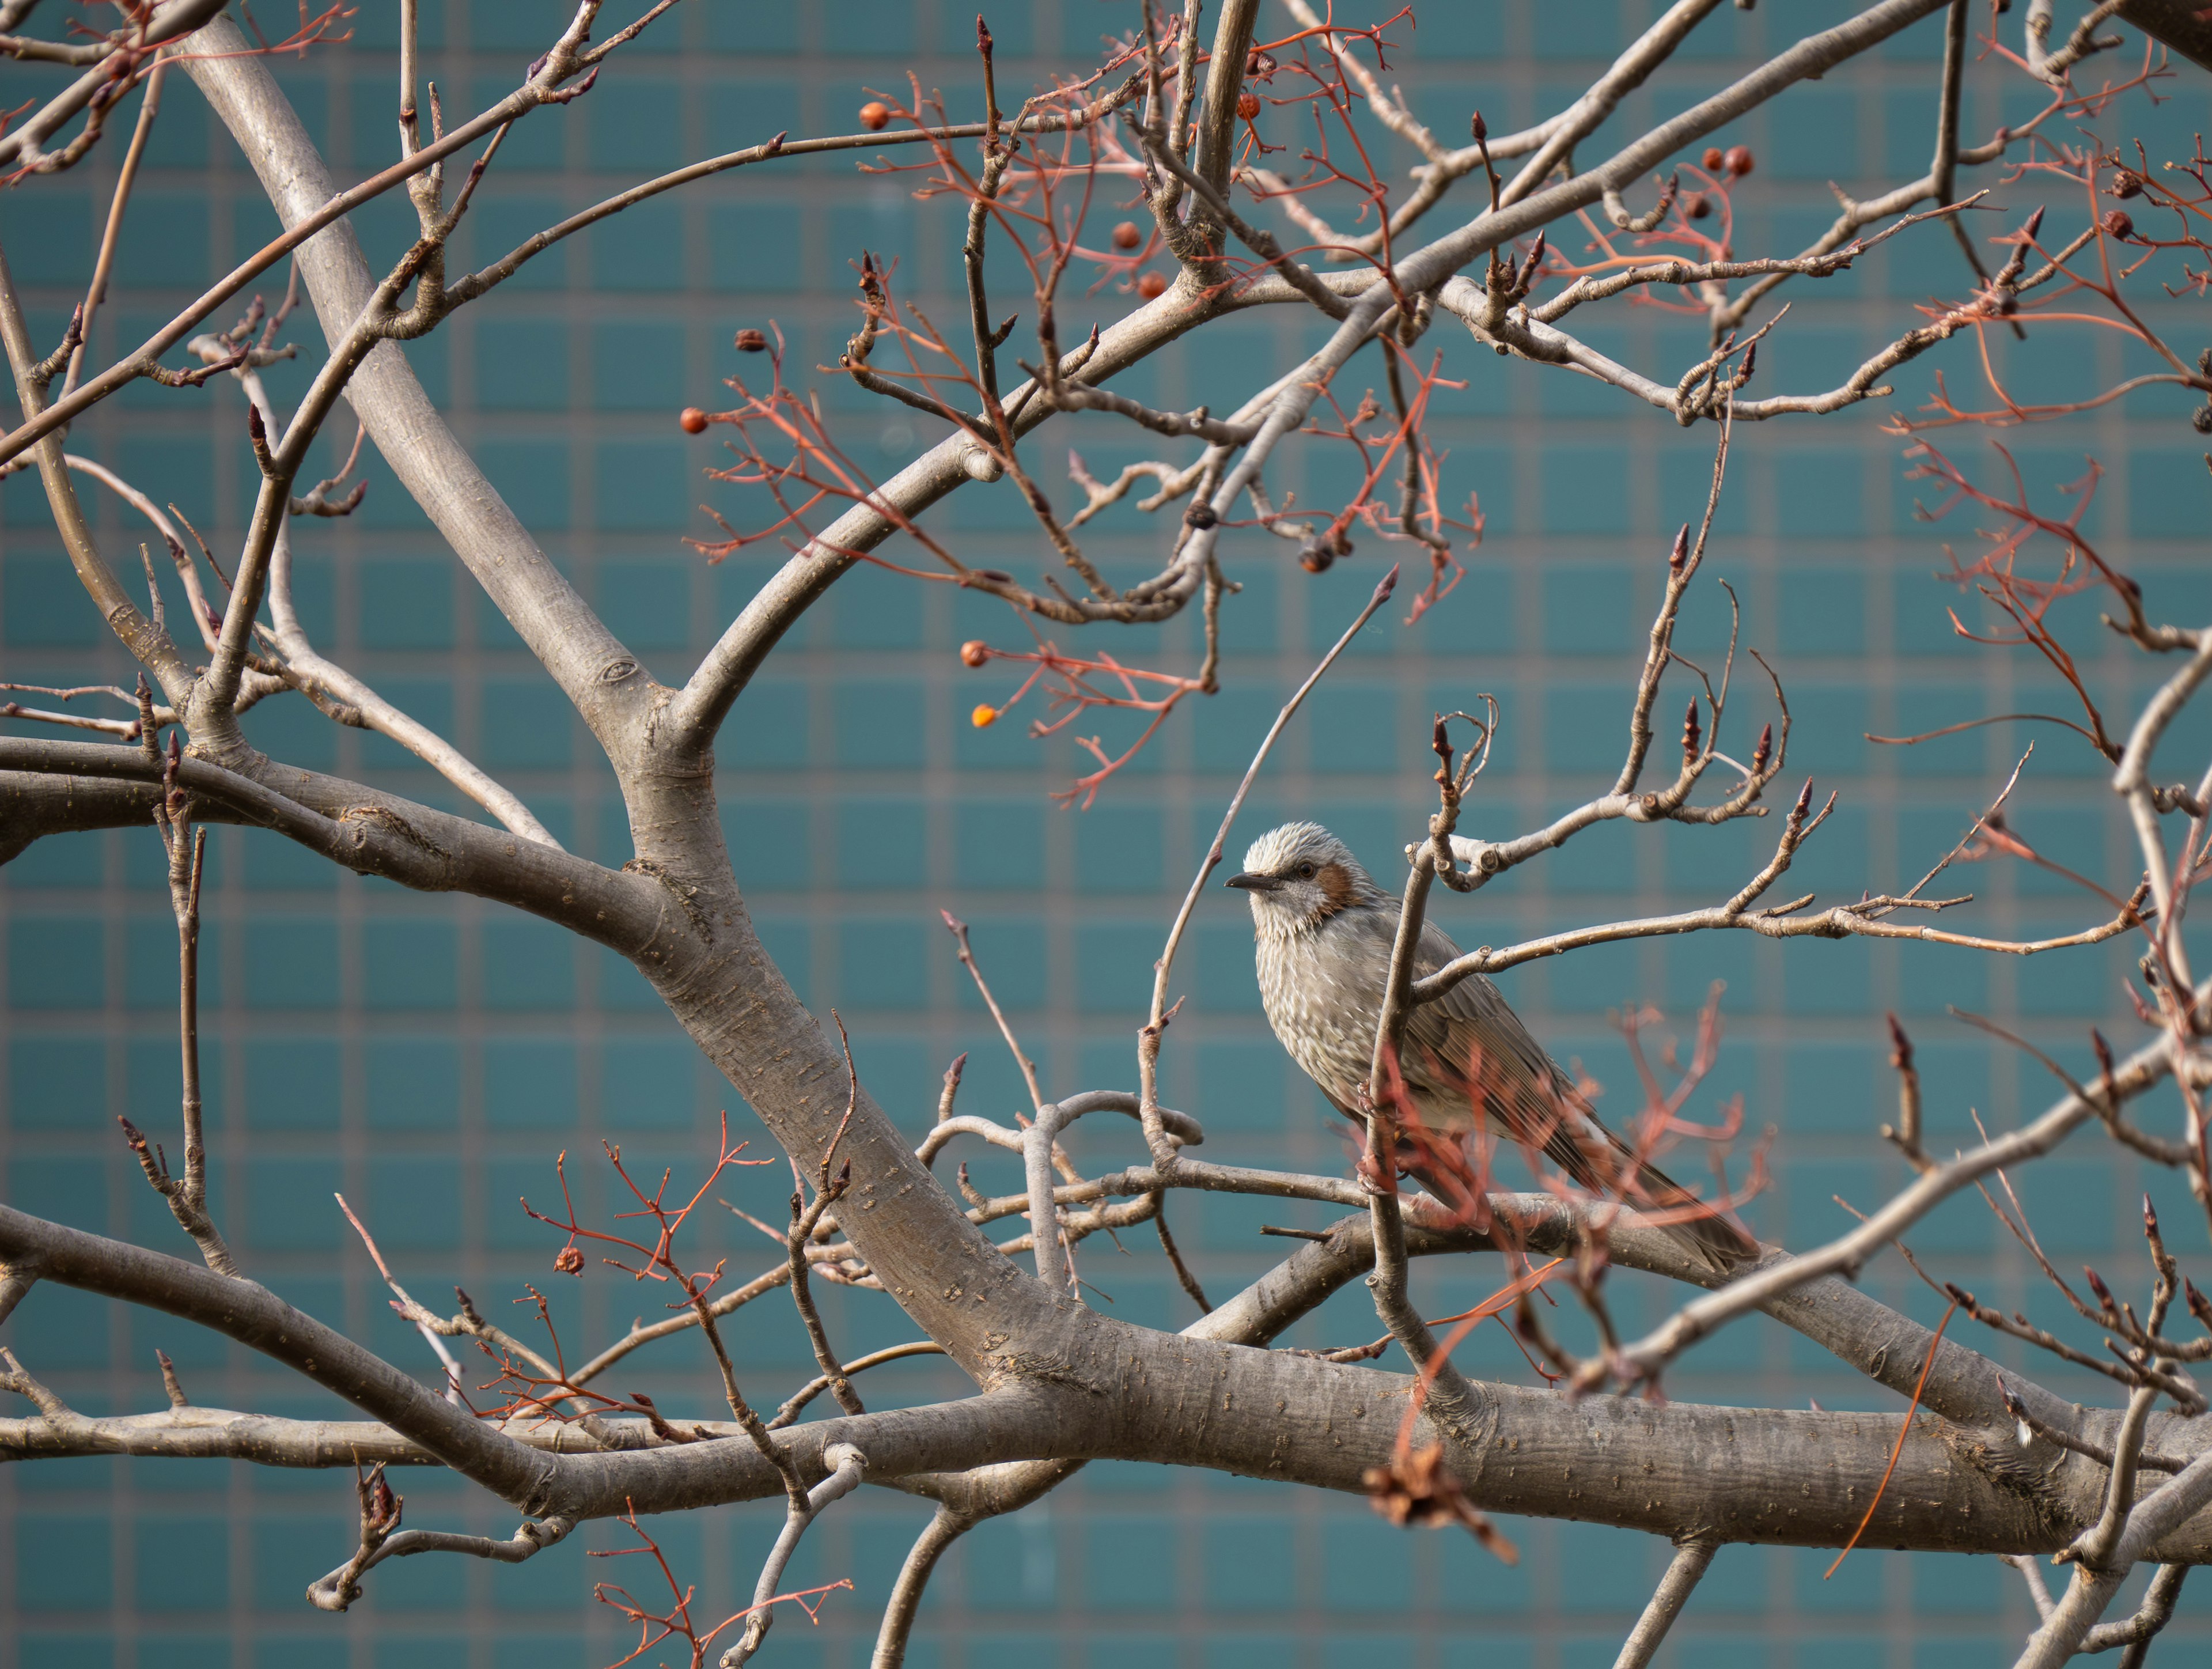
x: 429, y: 1057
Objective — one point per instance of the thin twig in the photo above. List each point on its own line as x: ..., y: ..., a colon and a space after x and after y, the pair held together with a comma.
x: 1148, y: 1040
x: 1692, y: 1557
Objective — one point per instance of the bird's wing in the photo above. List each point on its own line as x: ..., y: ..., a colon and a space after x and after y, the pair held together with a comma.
x: 1467, y: 1055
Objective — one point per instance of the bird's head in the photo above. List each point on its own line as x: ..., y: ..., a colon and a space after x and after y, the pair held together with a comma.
x: 1298, y: 876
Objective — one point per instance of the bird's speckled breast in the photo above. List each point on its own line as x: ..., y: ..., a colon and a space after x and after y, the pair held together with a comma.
x: 1324, y: 993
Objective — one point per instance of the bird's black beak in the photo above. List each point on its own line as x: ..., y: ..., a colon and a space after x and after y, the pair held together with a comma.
x: 1254, y: 883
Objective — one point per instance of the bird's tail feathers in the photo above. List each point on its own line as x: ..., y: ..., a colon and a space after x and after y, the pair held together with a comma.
x: 1693, y: 1223
x: 1602, y: 1163
x: 1455, y: 1168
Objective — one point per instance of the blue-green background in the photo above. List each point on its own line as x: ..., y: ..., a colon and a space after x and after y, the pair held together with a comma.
x: 430, y: 1056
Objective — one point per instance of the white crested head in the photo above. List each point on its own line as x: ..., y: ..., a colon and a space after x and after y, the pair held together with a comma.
x: 1298, y: 876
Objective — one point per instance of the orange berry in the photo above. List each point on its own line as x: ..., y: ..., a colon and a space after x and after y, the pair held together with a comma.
x: 974, y: 652
x: 1713, y: 159
x: 1152, y: 286
x: 693, y: 420
x: 1738, y: 160
x: 1248, y: 105
x: 983, y: 715
x: 1127, y: 236
x: 875, y: 116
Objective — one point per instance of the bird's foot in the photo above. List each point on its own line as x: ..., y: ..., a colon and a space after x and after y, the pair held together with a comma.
x: 1371, y: 1178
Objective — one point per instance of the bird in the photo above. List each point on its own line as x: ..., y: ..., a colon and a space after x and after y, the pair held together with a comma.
x: 1324, y: 933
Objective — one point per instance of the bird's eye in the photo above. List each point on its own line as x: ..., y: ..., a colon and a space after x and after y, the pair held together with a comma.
x: 1305, y: 872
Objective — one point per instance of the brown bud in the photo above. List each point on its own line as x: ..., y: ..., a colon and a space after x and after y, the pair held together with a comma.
x: 1900, y: 1054
x: 1248, y: 105
x: 2117, y: 223
x: 569, y: 1261
x: 974, y: 652
x: 1127, y: 236
x: 1738, y: 160
x: 2197, y: 1306
x: 1152, y: 286
x: 1760, y: 754
x: 1681, y: 553
x: 1750, y: 364
x: 751, y: 341
x: 983, y: 42
x: 1692, y: 733
x: 692, y: 420
x: 2126, y: 184
x: 875, y: 116
x: 1713, y: 159
x: 1478, y: 128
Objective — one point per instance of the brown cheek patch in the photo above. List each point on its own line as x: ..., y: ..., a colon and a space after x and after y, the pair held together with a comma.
x: 1336, y: 888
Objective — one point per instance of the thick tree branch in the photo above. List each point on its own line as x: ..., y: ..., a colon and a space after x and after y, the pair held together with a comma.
x: 251, y: 1314
x: 361, y: 829
x: 598, y: 674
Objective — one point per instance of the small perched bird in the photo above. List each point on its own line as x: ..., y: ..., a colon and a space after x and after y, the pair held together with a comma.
x: 1324, y: 933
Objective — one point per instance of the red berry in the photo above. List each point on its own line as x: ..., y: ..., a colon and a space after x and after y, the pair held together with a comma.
x: 1738, y: 160
x: 875, y: 116
x: 1127, y: 236
x: 1152, y: 286
x: 693, y: 420
x: 1714, y: 161
x: 1248, y: 105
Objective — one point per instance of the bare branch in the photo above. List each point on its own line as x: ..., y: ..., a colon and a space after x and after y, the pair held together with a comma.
x: 1850, y: 1251
x: 849, y: 1465
x: 186, y: 849
x: 1148, y: 1044
x: 1689, y: 1564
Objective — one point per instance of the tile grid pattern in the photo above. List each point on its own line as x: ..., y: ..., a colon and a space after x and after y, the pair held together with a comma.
x: 427, y: 1055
